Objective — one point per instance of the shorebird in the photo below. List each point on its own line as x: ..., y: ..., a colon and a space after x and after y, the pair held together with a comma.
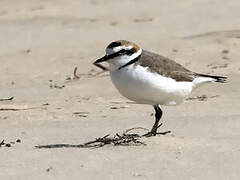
x: 149, y: 78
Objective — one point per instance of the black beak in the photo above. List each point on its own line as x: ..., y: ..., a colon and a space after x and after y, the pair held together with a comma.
x: 104, y: 58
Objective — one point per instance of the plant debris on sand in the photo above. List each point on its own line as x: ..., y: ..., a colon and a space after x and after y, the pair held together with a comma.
x: 116, y: 140
x: 125, y: 139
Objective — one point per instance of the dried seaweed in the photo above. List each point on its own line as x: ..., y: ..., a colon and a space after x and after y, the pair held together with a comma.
x: 116, y: 140
x: 7, y: 99
x: 12, y: 108
x: 201, y: 97
x: 90, y: 74
x: 75, y: 76
x: 126, y: 139
x: 10, y: 144
x: 2, y: 143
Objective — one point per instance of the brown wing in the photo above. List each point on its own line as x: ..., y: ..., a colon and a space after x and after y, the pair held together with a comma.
x: 164, y: 66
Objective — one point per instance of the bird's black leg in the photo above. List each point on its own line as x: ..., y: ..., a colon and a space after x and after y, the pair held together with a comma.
x: 158, y: 115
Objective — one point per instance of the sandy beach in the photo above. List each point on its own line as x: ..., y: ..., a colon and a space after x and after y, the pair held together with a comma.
x: 43, y: 41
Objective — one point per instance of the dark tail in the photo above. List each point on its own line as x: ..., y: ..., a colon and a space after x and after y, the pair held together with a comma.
x: 221, y: 79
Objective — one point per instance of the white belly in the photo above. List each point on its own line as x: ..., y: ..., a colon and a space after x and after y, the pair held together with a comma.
x: 144, y: 87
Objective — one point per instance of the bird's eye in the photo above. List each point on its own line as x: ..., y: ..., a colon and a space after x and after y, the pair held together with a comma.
x: 130, y: 51
x: 122, y: 51
x: 126, y: 51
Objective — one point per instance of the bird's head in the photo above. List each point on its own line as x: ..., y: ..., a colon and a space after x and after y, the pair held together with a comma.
x: 120, y: 53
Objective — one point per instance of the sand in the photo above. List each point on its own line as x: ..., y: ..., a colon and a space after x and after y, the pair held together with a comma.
x: 42, y: 42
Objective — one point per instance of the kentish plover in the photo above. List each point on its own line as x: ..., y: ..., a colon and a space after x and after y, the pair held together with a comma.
x: 149, y: 78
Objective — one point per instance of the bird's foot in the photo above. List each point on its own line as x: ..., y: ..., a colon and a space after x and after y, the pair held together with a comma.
x: 154, y: 132
x: 150, y: 134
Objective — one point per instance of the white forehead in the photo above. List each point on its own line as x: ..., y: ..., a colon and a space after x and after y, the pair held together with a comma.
x: 116, y: 49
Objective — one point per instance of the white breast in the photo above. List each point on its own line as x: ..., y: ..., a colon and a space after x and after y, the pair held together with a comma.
x: 142, y: 86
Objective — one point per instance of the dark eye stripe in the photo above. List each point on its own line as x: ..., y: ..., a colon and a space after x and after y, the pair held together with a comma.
x: 130, y: 51
x: 126, y: 51
x: 122, y: 52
